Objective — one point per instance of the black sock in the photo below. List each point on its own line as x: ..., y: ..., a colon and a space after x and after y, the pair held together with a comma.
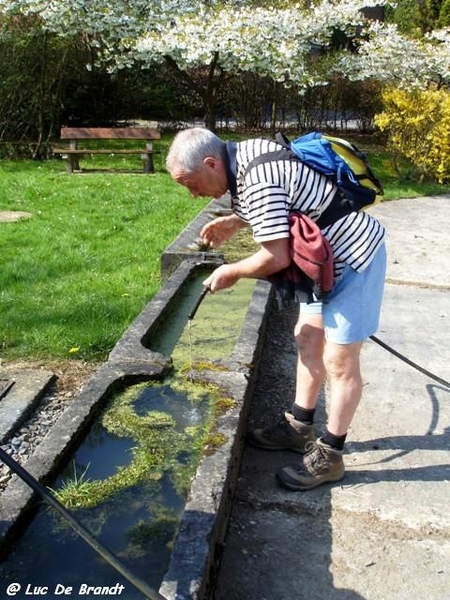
x: 335, y: 441
x: 305, y: 415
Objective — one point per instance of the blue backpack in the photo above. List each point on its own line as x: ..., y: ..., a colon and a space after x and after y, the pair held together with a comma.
x: 337, y: 159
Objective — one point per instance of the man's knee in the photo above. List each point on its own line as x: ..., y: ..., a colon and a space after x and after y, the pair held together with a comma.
x: 342, y: 360
x: 309, y: 337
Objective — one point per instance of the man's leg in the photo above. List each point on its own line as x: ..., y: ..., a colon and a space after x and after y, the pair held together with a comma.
x: 350, y: 316
x: 309, y: 337
x: 324, y: 463
x: 344, y: 376
x: 295, y: 430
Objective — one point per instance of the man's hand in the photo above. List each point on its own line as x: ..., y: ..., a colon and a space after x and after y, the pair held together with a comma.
x: 270, y: 258
x: 223, y: 277
x: 220, y: 230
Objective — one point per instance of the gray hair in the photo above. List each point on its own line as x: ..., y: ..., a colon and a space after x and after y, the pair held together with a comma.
x: 190, y: 147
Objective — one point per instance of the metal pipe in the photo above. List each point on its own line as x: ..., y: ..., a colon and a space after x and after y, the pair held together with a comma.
x: 31, y: 481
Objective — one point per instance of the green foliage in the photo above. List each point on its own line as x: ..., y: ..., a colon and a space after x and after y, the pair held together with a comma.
x: 433, y: 8
x: 45, y: 83
x: 444, y: 14
x: 418, y: 128
x: 407, y: 14
x: 414, y: 17
x: 33, y: 66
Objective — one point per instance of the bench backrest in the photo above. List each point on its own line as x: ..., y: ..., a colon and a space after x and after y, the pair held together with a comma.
x: 110, y: 133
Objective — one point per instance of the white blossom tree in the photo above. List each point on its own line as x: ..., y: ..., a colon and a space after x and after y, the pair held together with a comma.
x: 216, y: 38
x: 221, y: 40
x: 228, y: 38
x: 405, y: 62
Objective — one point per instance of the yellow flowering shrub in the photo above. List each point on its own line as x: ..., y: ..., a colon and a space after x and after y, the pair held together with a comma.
x: 417, y: 124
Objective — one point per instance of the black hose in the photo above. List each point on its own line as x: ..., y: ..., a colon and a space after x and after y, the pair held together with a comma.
x: 78, y: 528
x: 197, y: 303
x: 410, y: 362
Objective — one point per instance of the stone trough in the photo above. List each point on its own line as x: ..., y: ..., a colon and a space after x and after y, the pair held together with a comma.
x: 197, y: 547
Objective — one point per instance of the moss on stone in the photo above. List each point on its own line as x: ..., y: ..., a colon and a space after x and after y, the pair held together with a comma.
x: 214, y: 441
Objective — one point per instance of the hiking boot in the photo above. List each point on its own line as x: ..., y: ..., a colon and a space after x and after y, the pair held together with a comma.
x: 320, y: 464
x: 286, y: 434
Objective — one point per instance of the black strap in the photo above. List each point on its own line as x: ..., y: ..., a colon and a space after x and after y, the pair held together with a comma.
x: 282, y: 154
x: 339, y: 207
x: 230, y: 162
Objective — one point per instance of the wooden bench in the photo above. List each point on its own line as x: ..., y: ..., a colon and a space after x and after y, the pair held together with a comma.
x: 74, y: 135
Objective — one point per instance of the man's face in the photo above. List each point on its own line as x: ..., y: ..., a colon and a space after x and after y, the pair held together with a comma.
x: 209, y: 181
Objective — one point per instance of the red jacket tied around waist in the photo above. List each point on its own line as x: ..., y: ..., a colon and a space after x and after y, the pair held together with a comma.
x: 310, y: 274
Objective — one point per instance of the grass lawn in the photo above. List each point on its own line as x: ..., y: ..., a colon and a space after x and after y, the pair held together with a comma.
x: 75, y: 274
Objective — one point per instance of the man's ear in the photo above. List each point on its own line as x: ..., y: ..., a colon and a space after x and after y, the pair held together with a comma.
x: 211, y: 162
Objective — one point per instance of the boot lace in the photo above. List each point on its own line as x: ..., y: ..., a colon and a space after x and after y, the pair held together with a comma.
x: 316, y: 458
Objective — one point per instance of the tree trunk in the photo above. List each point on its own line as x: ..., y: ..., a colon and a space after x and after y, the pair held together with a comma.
x: 211, y: 95
x: 207, y: 93
x: 273, y: 116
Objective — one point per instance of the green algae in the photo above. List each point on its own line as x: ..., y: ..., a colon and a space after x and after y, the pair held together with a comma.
x: 162, y: 528
x: 159, y: 441
x: 213, y: 442
x: 214, y: 331
x: 239, y: 246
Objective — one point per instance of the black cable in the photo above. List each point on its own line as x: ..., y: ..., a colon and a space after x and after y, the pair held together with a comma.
x: 410, y: 362
x: 78, y: 528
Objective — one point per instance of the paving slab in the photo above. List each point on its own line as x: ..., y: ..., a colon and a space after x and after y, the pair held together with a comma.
x: 418, y: 241
x: 23, y: 396
x: 383, y: 533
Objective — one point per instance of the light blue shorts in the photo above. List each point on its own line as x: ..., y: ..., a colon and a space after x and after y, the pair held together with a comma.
x: 351, y: 311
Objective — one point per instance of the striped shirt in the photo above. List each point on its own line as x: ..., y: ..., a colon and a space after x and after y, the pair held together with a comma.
x: 271, y: 190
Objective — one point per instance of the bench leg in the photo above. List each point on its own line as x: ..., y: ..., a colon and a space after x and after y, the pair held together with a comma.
x: 148, y: 166
x: 72, y: 163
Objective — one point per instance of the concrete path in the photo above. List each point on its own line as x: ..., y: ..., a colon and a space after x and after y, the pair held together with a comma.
x: 383, y: 533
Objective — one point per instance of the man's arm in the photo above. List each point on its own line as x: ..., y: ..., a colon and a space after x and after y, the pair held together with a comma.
x: 272, y: 257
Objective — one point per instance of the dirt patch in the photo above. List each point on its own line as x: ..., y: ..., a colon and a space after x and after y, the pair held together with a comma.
x: 71, y: 374
x: 9, y: 216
